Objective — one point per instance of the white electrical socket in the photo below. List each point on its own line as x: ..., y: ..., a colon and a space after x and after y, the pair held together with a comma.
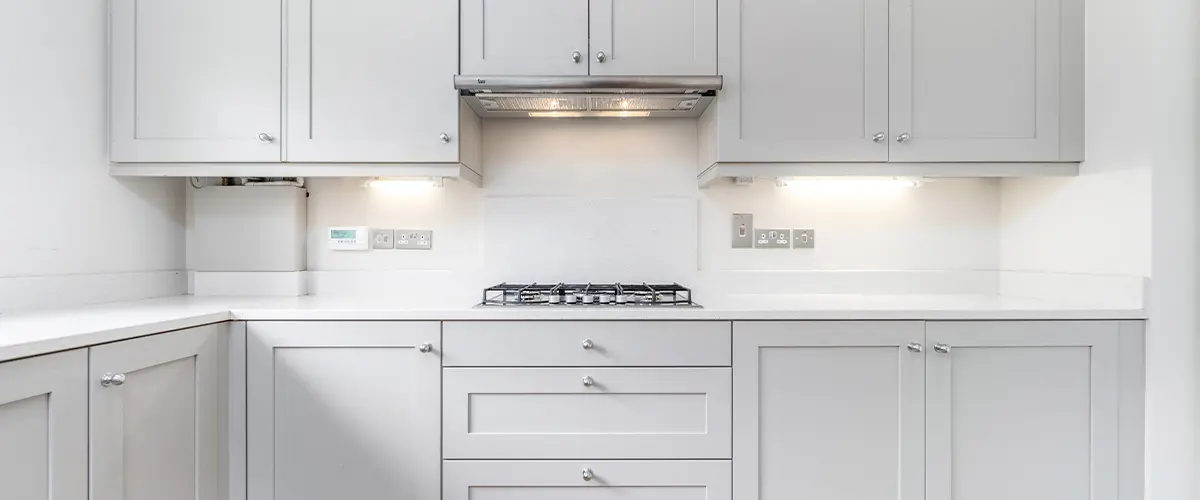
x: 414, y: 239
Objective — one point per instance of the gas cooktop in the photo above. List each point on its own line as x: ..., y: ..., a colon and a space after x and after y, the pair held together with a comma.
x: 588, y: 294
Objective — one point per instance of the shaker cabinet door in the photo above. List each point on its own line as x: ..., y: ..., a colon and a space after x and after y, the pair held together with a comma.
x: 43, y: 427
x: 524, y: 37
x: 195, y: 81
x: 653, y: 37
x: 369, y: 81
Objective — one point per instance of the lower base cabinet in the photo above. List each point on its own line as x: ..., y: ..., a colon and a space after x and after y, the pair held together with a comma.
x: 43, y: 427
x: 587, y: 480
x: 344, y: 410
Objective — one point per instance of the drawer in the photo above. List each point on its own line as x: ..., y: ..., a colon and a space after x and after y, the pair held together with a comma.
x: 563, y: 480
x: 565, y: 343
x: 594, y: 413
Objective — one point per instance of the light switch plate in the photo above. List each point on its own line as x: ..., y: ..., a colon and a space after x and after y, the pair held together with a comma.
x: 414, y: 239
x: 804, y: 238
x: 381, y: 239
x: 743, y: 231
x: 772, y: 238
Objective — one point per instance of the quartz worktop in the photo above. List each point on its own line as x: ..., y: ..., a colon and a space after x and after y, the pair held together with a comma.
x: 40, y: 332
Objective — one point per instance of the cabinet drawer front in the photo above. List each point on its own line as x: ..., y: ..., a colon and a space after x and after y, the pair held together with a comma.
x: 563, y: 480
x: 587, y: 413
x: 612, y: 343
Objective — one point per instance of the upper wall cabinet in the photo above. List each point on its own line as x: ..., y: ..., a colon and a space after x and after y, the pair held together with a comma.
x: 551, y: 37
x: 369, y: 81
x: 901, y: 81
x: 195, y: 81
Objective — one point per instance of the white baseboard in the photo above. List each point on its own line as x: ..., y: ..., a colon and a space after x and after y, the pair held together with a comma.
x: 1110, y: 290
x: 248, y: 284
x: 71, y: 290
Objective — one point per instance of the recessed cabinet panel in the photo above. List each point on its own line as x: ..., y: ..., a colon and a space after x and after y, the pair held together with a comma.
x: 524, y: 37
x: 369, y: 81
x: 43, y: 427
x: 195, y: 81
x: 976, y: 80
x: 653, y: 37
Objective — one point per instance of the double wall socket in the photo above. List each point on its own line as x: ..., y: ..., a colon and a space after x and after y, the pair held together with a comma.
x: 401, y: 239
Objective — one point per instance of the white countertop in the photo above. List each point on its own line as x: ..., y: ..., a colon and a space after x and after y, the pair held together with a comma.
x: 34, y: 333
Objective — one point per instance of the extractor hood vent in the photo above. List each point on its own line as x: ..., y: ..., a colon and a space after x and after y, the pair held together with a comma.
x: 588, y: 96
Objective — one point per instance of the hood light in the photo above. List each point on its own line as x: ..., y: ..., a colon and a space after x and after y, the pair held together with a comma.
x: 840, y: 184
x: 588, y: 114
x: 404, y: 184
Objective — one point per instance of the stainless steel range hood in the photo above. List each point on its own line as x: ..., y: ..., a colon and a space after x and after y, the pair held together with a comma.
x: 588, y: 96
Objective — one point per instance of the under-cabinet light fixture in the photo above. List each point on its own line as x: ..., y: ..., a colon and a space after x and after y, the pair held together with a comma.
x: 404, y: 184
x: 835, y: 184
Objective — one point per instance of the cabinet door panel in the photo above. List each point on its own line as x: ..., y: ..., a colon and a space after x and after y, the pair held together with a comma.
x: 654, y: 37
x: 976, y: 80
x: 43, y: 427
x: 343, y: 410
x: 160, y: 434
x: 524, y: 37
x: 562, y: 480
x: 828, y: 410
x: 367, y: 81
x: 1022, y: 410
x: 195, y: 81
x: 805, y: 81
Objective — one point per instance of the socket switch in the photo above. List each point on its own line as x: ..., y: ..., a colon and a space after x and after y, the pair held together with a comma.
x: 381, y: 239
x: 743, y: 231
x: 804, y: 238
x: 414, y: 239
x: 772, y: 238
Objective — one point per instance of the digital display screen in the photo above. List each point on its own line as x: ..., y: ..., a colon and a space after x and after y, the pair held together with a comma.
x: 342, y: 234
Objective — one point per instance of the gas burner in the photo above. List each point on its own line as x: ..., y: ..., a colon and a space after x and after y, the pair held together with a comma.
x: 589, y: 294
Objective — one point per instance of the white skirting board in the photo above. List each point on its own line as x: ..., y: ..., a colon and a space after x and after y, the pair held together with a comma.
x: 248, y: 284
x: 71, y: 290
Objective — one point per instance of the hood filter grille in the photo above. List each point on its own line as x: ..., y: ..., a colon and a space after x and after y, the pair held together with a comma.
x: 601, y: 102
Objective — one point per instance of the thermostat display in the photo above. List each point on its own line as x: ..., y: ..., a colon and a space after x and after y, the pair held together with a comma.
x: 349, y: 238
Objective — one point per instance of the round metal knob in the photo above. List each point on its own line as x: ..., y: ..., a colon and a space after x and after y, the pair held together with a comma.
x: 576, y: 56
x: 915, y: 347
x: 588, y: 381
x: 902, y: 137
x: 265, y: 137
x: 879, y: 137
x: 444, y: 137
x: 941, y: 348
x: 588, y: 344
x: 425, y: 348
x: 112, y: 379
x: 588, y: 475
x: 600, y: 57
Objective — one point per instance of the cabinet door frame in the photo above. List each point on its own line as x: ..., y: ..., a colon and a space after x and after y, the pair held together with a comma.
x: 733, y: 147
x: 124, y: 143
x: 601, y: 21
x: 107, y: 406
x: 473, y: 53
x: 62, y: 377
x: 264, y: 337
x: 441, y: 59
x: 749, y: 338
x: 1099, y: 336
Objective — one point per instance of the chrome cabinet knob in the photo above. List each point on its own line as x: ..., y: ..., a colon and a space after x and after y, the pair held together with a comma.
x: 444, y: 137
x: 588, y: 344
x: 879, y: 137
x: 265, y: 137
x: 941, y: 348
x: 588, y: 475
x: 600, y: 57
x: 576, y: 57
x: 902, y: 137
x: 112, y: 379
x: 425, y: 348
x: 588, y: 381
x: 915, y: 347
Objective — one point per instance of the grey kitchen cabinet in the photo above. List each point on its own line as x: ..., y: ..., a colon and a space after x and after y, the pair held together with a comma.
x: 369, y: 81
x: 1022, y: 410
x: 828, y: 410
x: 343, y: 410
x: 586, y: 480
x: 586, y: 343
x: 159, y: 416
x: 195, y: 81
x: 581, y: 37
x: 43, y: 427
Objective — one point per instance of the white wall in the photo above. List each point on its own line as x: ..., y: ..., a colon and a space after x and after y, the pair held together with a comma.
x: 605, y: 200
x: 72, y: 234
